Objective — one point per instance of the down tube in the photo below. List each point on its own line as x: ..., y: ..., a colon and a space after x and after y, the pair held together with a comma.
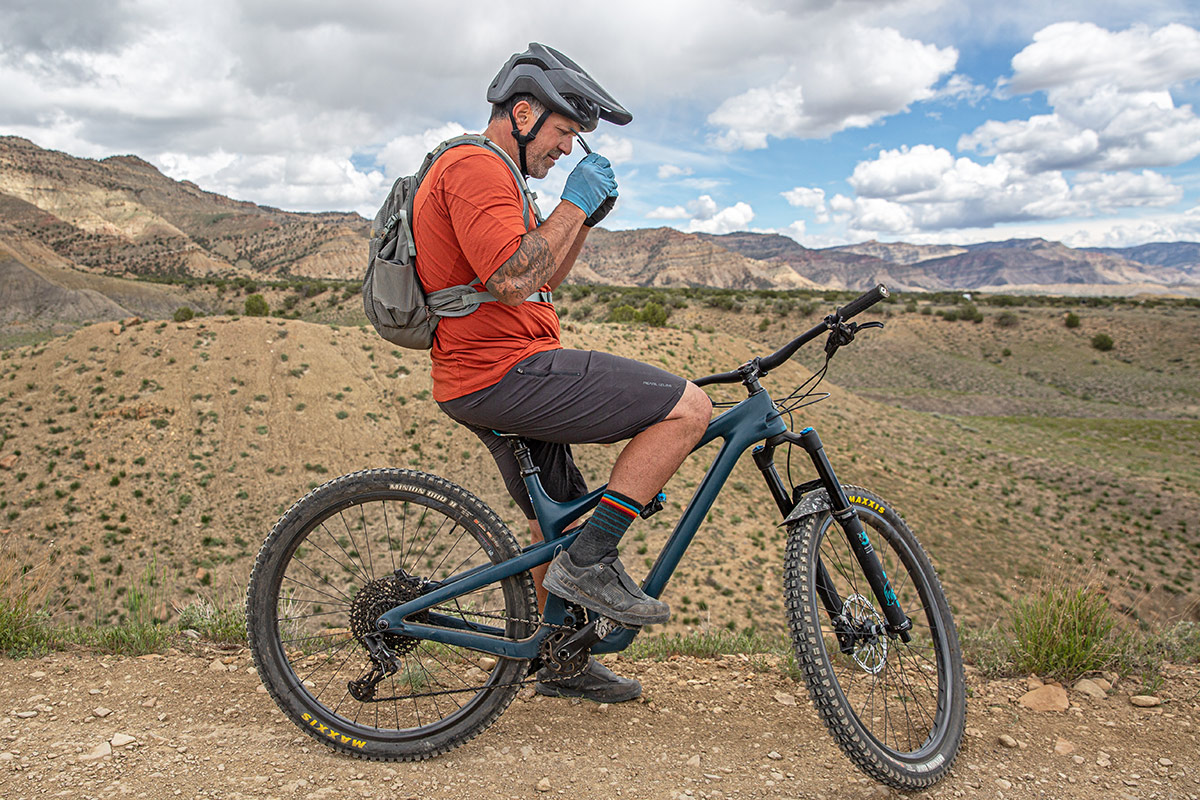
x: 742, y: 426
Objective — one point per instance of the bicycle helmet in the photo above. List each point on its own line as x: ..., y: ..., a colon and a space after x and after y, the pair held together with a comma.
x: 561, y: 85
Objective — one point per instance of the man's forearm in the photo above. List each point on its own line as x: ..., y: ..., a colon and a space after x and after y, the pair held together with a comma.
x: 545, y: 252
x: 568, y: 261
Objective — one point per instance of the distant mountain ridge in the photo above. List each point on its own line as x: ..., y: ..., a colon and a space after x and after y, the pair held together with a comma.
x: 71, y: 228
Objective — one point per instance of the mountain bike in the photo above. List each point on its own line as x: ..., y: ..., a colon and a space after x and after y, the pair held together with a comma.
x: 392, y: 614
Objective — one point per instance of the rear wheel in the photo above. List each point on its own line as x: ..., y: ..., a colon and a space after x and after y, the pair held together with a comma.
x: 343, y: 555
x: 896, y: 708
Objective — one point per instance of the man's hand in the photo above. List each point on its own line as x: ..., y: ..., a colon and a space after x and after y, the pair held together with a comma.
x: 590, y: 184
x: 601, y: 211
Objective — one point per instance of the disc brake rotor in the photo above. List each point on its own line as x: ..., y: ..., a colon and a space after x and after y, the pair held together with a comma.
x: 870, y: 647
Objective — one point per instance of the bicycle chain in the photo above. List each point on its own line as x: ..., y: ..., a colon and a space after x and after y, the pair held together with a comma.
x: 536, y: 622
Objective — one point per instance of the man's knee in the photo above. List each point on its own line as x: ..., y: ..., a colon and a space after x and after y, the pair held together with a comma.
x: 695, y: 406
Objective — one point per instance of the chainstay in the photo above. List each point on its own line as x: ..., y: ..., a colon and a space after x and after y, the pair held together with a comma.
x: 527, y: 680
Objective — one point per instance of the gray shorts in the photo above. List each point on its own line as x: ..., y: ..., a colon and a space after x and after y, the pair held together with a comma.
x: 559, y: 398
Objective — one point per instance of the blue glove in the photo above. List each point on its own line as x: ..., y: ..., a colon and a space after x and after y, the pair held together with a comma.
x: 590, y: 183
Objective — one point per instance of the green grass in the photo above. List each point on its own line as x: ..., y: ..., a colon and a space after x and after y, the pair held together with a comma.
x: 1140, y: 446
x: 1063, y: 632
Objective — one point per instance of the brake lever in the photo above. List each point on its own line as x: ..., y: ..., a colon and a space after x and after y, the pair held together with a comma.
x: 842, y: 333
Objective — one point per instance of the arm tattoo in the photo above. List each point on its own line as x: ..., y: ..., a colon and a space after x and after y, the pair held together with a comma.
x: 526, y: 271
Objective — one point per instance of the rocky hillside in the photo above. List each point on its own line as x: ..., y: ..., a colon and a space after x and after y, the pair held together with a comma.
x: 667, y: 257
x: 1015, y: 266
x: 74, y: 230
x: 120, y: 215
x: 170, y: 449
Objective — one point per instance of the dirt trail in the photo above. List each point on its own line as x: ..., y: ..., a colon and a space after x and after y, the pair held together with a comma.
x: 199, y: 725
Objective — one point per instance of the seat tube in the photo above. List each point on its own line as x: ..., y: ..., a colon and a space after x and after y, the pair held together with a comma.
x: 856, y: 534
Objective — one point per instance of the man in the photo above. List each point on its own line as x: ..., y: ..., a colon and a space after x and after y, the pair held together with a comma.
x: 503, y: 368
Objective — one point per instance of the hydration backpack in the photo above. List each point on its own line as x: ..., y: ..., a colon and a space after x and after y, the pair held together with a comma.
x: 396, y: 303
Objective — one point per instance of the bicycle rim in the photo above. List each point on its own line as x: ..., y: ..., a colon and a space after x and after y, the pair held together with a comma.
x: 358, y: 556
x: 896, y: 708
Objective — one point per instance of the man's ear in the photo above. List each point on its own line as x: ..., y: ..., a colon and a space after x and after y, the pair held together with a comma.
x: 523, y: 114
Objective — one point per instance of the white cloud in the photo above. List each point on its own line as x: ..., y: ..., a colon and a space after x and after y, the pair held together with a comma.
x: 1110, y: 96
x: 961, y: 87
x: 926, y: 188
x: 668, y: 171
x: 804, y: 197
x: 708, y: 217
x: 1112, y: 117
x: 671, y: 212
x: 851, y: 77
x: 403, y: 154
x: 617, y: 149
x: 284, y: 181
x: 705, y: 216
x: 1071, y: 57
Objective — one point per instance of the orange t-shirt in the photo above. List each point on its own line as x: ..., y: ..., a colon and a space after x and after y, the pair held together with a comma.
x: 468, y: 222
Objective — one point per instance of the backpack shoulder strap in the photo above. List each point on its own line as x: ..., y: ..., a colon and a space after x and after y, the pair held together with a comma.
x: 528, y: 196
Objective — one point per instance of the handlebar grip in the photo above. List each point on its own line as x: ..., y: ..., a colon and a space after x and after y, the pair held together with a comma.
x: 863, y: 302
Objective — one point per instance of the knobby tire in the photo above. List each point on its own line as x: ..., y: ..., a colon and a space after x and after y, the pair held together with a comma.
x: 896, y: 709
x: 343, y: 554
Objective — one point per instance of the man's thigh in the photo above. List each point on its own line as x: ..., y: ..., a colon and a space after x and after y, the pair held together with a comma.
x: 573, y: 396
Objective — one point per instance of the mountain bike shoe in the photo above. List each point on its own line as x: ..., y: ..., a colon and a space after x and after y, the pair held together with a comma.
x: 597, y: 683
x: 606, y: 589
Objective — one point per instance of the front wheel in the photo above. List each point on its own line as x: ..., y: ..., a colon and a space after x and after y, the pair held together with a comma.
x: 346, y: 553
x: 896, y: 708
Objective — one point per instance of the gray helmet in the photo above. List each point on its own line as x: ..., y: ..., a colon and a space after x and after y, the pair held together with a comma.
x: 560, y: 84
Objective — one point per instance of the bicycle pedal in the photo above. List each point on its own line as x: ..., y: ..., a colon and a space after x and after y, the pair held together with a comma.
x: 605, y: 626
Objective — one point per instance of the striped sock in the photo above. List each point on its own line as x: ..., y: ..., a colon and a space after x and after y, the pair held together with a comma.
x: 608, y: 524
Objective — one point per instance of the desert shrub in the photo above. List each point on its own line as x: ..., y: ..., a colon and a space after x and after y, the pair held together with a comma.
x: 1071, y: 320
x: 183, y: 314
x: 1102, y: 342
x: 1063, y: 630
x: 1006, y: 319
x: 256, y: 306
x: 970, y: 313
x: 725, y: 302
x: 224, y: 623
x: 625, y: 313
x: 653, y: 315
x: 25, y: 606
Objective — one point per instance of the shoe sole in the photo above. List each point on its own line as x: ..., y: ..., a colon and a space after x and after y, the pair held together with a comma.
x: 554, y: 691
x: 573, y: 593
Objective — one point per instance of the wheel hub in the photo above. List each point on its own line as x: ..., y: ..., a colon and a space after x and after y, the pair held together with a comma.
x: 868, y: 646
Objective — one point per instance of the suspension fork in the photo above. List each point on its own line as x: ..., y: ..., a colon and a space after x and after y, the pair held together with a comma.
x: 898, y: 623
x: 764, y: 458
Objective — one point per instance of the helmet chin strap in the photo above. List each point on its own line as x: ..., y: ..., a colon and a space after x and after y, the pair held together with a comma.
x: 525, y: 138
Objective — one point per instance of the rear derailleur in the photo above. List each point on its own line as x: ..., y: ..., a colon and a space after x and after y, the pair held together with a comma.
x: 384, y: 662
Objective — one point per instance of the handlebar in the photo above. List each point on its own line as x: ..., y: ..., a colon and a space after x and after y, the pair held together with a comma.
x: 863, y: 302
x: 758, y: 367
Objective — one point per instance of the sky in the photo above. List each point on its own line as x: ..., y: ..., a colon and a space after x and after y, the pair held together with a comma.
x: 830, y: 121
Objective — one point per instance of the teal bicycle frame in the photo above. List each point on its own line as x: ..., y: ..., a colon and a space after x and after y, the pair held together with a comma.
x: 749, y: 422
x: 755, y: 419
